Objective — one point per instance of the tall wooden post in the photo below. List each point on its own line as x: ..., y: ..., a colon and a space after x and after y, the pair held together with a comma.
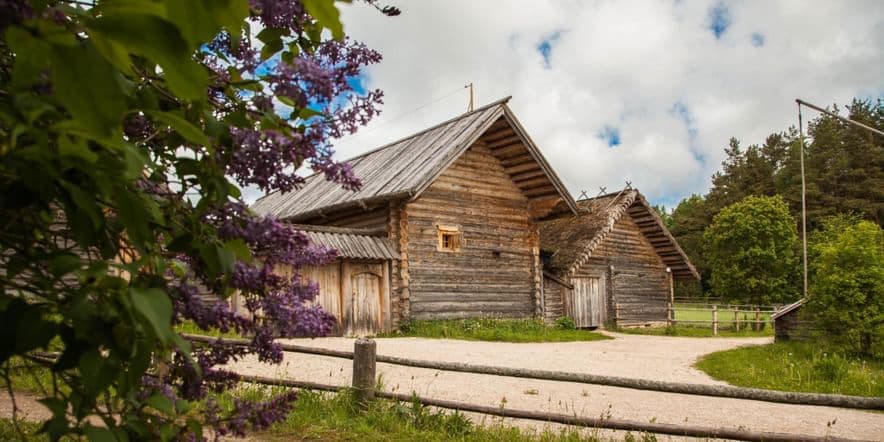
x: 736, y: 319
x: 668, y: 314
x: 757, y: 326
x: 715, y: 320
x: 364, y: 371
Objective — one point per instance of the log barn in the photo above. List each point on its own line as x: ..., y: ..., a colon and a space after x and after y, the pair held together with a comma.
x: 456, y: 209
x: 613, y: 263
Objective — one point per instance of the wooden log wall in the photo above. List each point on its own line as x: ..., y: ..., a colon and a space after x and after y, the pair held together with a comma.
x: 553, y: 297
x: 639, y: 282
x: 397, y: 231
x: 492, y: 273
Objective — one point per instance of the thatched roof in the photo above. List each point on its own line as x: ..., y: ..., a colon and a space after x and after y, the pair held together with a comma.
x: 571, y: 240
x: 405, y: 168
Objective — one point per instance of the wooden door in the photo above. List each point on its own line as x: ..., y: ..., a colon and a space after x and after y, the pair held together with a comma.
x: 588, y: 302
x: 365, y: 306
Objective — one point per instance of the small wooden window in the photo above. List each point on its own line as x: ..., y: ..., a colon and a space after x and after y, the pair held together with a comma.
x: 448, y: 239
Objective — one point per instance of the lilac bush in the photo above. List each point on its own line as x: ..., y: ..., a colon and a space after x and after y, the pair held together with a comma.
x: 127, y: 129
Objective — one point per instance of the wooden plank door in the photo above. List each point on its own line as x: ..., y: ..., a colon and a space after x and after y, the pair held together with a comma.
x: 365, y: 306
x: 587, y: 302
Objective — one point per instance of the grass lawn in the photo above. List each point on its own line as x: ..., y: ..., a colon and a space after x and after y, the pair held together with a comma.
x: 334, y: 417
x: 796, y: 366
x: 690, y: 312
x: 695, y: 331
x: 326, y: 416
x: 500, y: 330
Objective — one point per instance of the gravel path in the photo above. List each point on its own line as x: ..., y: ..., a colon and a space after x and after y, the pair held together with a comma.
x: 648, y: 357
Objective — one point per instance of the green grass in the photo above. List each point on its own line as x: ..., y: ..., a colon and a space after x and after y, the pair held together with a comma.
x: 191, y: 328
x: 29, y: 377
x: 335, y: 417
x: 28, y: 430
x: 696, y: 331
x: 726, y: 327
x: 725, y: 318
x: 796, y: 366
x: 490, y: 329
x: 326, y: 416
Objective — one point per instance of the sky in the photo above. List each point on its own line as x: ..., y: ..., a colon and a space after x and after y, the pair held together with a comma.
x: 643, y: 91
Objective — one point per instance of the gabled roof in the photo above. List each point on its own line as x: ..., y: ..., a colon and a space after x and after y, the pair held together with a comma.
x: 571, y: 240
x: 405, y: 168
x: 350, y: 242
x: 787, y: 309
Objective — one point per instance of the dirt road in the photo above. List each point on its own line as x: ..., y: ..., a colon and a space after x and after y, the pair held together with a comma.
x: 648, y: 357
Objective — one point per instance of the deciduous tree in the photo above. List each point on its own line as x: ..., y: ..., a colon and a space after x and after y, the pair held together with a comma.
x: 750, y: 250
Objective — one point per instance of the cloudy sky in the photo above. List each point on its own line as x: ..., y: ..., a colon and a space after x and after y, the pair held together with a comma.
x: 648, y: 91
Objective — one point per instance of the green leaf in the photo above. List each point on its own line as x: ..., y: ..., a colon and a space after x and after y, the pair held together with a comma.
x: 99, y: 434
x: 133, y: 215
x: 161, y: 403
x: 114, y: 53
x: 327, y: 15
x: 96, y: 371
x: 154, y: 305
x: 87, y: 86
x: 76, y: 147
x: 31, y: 59
x: 182, y: 126
x: 239, y: 249
x: 64, y: 263
x: 161, y: 41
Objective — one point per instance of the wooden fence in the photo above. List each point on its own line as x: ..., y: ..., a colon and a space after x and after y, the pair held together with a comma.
x: 737, y: 317
x: 365, y: 358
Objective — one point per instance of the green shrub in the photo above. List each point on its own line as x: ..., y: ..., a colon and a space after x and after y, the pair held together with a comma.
x: 565, y: 323
x: 845, y: 299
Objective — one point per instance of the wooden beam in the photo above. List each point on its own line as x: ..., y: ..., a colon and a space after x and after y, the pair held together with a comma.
x: 546, y: 190
x: 509, y: 151
x: 523, y: 167
x: 517, y: 160
x: 536, y: 182
x: 498, y: 133
x: 527, y: 175
x: 512, y: 139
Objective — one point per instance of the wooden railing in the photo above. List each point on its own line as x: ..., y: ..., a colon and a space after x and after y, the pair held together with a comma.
x: 744, y: 316
x: 364, y: 385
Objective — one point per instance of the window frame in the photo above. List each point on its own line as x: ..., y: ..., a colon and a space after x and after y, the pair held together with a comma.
x: 455, y: 238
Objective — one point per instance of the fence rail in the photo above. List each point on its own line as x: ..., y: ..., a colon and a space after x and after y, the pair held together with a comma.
x: 670, y: 315
x: 725, y: 391
x: 568, y: 419
x: 364, y: 384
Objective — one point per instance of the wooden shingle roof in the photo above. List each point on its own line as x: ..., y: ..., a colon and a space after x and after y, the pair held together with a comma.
x: 405, y: 168
x: 571, y: 240
x: 350, y: 242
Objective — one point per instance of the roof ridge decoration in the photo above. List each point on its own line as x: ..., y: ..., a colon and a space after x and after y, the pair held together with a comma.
x: 614, y: 214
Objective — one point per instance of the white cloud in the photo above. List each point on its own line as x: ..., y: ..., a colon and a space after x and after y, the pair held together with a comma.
x: 622, y: 64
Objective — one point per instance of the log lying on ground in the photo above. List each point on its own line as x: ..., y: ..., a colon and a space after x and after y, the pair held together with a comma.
x: 590, y: 422
x: 725, y: 391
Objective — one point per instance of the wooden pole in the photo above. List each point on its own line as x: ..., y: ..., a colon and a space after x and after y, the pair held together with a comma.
x: 714, y: 320
x: 669, y: 314
x: 736, y: 319
x: 757, y: 325
x: 364, y: 370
